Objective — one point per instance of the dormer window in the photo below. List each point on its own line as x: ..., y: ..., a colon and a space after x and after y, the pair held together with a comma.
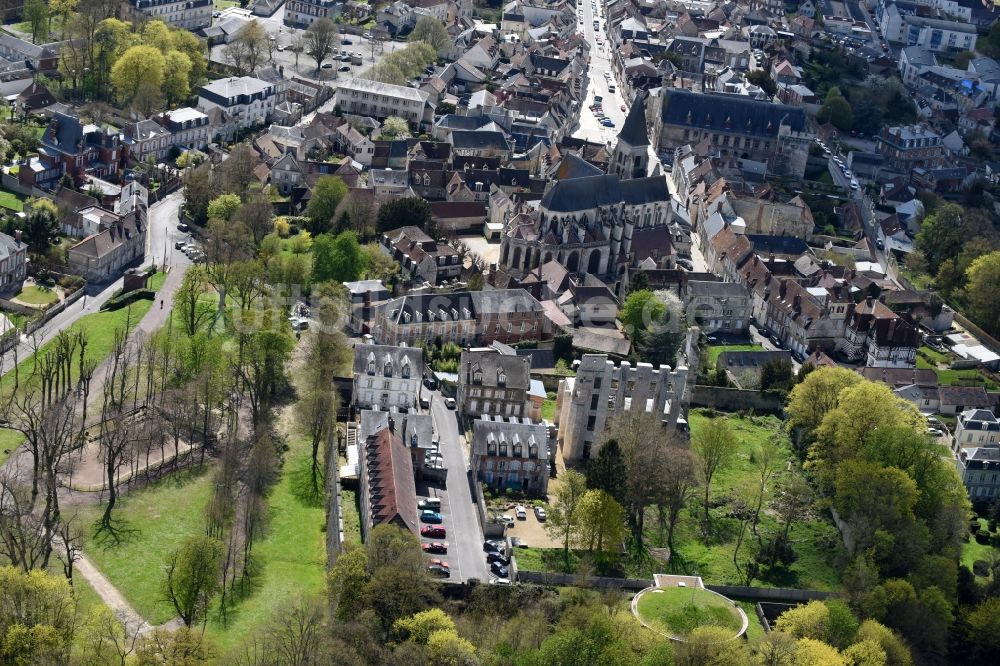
x: 477, y: 376
x: 501, y: 378
x: 413, y: 440
x: 371, y: 364
x: 387, y: 369
x: 406, y: 369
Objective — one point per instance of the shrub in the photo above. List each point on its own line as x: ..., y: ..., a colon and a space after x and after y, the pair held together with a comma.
x: 982, y: 538
x: 282, y: 227
x: 981, y: 568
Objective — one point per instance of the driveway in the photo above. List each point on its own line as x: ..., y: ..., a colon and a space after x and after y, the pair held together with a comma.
x: 465, y: 536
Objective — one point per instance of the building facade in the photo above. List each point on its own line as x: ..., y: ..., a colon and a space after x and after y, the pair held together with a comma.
x: 738, y: 127
x: 465, y: 318
x: 361, y: 97
x: 387, y: 377
x: 13, y: 262
x: 601, y: 390
x: 511, y: 454
x: 977, y: 428
x: 187, y: 14
x: 719, y: 307
x: 303, y: 13
x: 493, y: 380
x: 907, y: 147
x: 979, y: 469
x: 248, y: 100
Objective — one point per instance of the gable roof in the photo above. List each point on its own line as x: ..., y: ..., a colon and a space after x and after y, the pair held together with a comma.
x: 728, y: 113
x: 634, y: 131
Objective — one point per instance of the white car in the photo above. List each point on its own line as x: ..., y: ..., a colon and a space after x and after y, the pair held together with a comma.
x: 540, y: 514
x: 520, y: 512
x: 506, y: 520
x: 499, y: 581
x: 854, y: 184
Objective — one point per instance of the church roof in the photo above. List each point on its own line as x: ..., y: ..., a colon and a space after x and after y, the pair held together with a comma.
x: 590, y: 192
x: 634, y: 130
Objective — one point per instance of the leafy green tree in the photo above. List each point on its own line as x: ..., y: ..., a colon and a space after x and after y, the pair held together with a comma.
x: 982, y: 293
x: 193, y: 577
x: 406, y: 211
x: 430, y: 30
x: 762, y: 79
x: 836, y: 110
x: 865, y: 653
x: 642, y: 308
x: 419, y: 626
x: 714, y: 446
x: 816, y: 395
x: 223, y: 207
x: 327, y: 194
x: 37, y: 617
x: 607, y: 471
x: 981, y: 629
x: 181, y: 647
x: 395, y: 127
x: 564, y: 519
x: 777, y: 375
x: 897, y: 654
x: 41, y: 225
x: 872, y: 498
x: 811, y: 652
x: 601, y: 522
x: 177, y: 76
x: 36, y: 13
x: 811, y: 620
x: 941, y: 235
x: 711, y: 645
x: 450, y: 649
x: 138, y: 66
x: 338, y: 258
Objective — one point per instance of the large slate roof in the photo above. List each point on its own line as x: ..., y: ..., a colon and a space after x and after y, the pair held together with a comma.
x: 728, y: 113
x: 593, y: 191
x: 634, y: 130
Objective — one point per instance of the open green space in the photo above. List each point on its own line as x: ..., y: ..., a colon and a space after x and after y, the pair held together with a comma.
x: 966, y: 377
x: 715, y: 350
x: 9, y: 440
x: 549, y: 409
x: 676, y: 611
x: 933, y: 355
x: 100, y: 328
x: 290, y: 560
x: 219, y: 5
x: 156, y: 281
x: 972, y: 550
x: 10, y: 201
x: 155, y: 520
x: 36, y: 295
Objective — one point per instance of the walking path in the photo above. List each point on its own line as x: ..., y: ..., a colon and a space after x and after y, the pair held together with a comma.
x: 109, y: 594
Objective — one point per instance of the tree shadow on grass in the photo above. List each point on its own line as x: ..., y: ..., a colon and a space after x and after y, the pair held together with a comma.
x: 304, y: 489
x: 116, y: 533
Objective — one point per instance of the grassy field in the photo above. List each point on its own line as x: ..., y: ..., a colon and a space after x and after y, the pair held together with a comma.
x: 815, y: 539
x: 972, y: 550
x: 157, y: 519
x: 679, y: 610
x: 715, y: 350
x: 291, y: 559
x: 9, y: 440
x: 36, y: 295
x: 100, y: 327
x: 967, y: 377
x: 156, y: 281
x: 10, y: 201
x: 933, y: 355
x: 549, y: 409
x: 352, y: 519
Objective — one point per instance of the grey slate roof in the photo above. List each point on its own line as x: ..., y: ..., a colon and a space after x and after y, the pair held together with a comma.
x: 728, y: 113
x: 634, y: 129
x: 399, y: 356
x: 590, y: 192
x: 489, y: 361
x: 479, y: 139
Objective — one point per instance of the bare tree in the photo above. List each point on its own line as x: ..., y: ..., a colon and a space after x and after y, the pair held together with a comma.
x: 714, y: 446
x: 321, y: 37
x: 678, y: 485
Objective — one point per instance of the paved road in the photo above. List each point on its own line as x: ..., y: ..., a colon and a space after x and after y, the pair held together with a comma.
x: 589, y: 127
x: 465, y: 536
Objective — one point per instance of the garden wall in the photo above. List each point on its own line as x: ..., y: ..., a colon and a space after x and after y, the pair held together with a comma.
x: 786, y: 594
x: 8, y: 342
x: 734, y: 400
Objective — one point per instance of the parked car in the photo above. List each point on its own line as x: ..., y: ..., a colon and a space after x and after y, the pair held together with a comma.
x: 497, y: 557
x: 425, y: 403
x: 540, y: 514
x: 685, y: 264
x: 520, y: 512
x: 433, y: 531
x: 449, y: 403
x: 854, y: 184
x: 436, y: 547
x: 500, y: 570
x: 183, y: 227
x: 327, y: 65
x: 179, y: 245
x: 499, y: 581
x: 345, y: 68
x: 439, y: 571
x: 346, y: 41
x: 434, y: 458
x: 367, y: 35
x: 506, y: 520
x: 493, y: 546
x: 428, y: 516
x: 431, y: 503
x: 431, y: 383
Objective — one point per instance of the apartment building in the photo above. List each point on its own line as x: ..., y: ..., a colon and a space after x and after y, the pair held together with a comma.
x: 977, y: 427
x: 387, y: 376
x: 187, y: 14
x: 719, y: 307
x: 493, y: 380
x: 910, y: 146
x: 979, y: 469
x: 422, y: 257
x: 361, y: 97
x: 189, y: 128
x: 248, y: 100
x: 511, y: 454
x: 303, y: 13
x: 465, y: 318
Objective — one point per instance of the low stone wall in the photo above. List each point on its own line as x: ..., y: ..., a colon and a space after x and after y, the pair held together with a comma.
x: 560, y: 579
x: 786, y: 594
x: 734, y: 400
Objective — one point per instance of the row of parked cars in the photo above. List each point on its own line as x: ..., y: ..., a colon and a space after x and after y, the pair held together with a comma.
x: 430, y: 513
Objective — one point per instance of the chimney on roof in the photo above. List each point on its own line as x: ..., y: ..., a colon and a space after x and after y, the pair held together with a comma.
x: 17, y: 236
x: 392, y: 425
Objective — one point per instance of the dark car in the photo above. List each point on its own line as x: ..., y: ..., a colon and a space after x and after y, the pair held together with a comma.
x: 497, y: 557
x: 327, y: 65
x: 493, y: 546
x: 346, y: 41
x: 433, y: 531
x: 439, y: 571
x: 431, y: 383
x: 499, y: 570
x: 345, y: 68
x: 183, y: 227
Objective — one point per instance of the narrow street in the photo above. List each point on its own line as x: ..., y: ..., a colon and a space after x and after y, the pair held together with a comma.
x: 465, y: 537
x: 590, y: 127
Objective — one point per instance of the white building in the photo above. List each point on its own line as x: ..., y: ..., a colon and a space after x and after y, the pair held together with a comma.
x: 187, y: 14
x: 977, y: 427
x: 303, y: 13
x: 246, y: 99
x: 900, y: 26
x: 189, y: 128
x: 361, y: 97
x: 387, y: 377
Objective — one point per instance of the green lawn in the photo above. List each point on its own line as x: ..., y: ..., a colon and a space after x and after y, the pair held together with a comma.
x: 157, y: 518
x: 156, y: 281
x: 36, y: 295
x: 814, y: 538
x: 934, y: 355
x: 549, y: 410
x: 973, y: 550
x: 10, y: 201
x: 677, y: 611
x: 100, y: 326
x: 967, y: 377
x: 9, y: 440
x: 219, y: 5
x: 755, y: 630
x: 291, y: 560
x: 352, y: 519
x: 715, y: 350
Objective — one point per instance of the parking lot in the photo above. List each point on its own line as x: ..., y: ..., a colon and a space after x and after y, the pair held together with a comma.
x: 530, y: 531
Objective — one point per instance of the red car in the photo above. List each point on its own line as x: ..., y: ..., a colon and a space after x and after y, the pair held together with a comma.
x: 436, y: 547
x: 439, y: 563
x: 432, y: 531
x: 623, y: 107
